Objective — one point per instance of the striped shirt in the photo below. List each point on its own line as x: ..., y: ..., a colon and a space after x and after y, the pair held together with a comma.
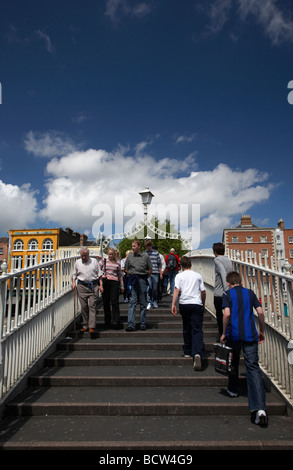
x: 241, y: 302
x: 113, y: 269
x: 155, y: 259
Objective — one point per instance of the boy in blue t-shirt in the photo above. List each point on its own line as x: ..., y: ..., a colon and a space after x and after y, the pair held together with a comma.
x: 240, y: 331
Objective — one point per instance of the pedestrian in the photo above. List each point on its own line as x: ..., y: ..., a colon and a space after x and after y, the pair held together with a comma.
x: 190, y: 286
x: 155, y: 277
x: 239, y: 332
x: 112, y: 282
x: 125, y: 278
x: 161, y: 280
x: 165, y: 276
x: 138, y: 267
x: 172, y: 262
x: 222, y: 266
x: 85, y: 279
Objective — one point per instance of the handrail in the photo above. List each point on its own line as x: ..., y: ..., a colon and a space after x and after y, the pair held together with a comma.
x: 274, y: 289
x: 36, y: 305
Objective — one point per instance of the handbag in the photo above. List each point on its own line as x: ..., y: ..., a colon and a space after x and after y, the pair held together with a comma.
x: 223, y: 359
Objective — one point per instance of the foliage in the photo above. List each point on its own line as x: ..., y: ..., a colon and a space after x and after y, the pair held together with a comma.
x: 163, y: 244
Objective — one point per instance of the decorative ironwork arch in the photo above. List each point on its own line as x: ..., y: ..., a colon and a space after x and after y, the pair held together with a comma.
x: 153, y: 228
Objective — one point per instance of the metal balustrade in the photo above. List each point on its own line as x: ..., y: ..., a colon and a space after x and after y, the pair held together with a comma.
x: 274, y: 289
x: 36, y: 305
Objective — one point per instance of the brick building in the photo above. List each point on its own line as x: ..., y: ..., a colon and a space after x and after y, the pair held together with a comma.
x: 3, y: 250
x: 271, y: 245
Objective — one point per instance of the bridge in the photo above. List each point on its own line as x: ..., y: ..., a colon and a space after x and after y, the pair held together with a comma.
x: 63, y: 390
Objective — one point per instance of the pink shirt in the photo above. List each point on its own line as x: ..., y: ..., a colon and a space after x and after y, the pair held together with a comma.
x: 113, y: 270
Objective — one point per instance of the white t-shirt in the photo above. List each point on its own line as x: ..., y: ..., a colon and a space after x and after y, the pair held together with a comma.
x: 190, y: 285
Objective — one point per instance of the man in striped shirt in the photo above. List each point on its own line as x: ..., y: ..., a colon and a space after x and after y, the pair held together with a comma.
x: 240, y: 331
x: 156, y: 275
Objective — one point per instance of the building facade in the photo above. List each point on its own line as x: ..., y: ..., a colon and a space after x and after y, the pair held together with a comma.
x: 3, y: 250
x: 29, y: 247
x: 273, y: 247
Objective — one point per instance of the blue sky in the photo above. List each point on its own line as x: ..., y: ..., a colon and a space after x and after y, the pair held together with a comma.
x: 105, y: 97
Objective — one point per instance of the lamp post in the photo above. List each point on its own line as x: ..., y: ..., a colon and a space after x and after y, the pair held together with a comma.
x: 146, y: 198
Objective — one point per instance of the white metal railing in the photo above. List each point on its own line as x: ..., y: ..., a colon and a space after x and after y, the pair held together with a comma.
x: 274, y: 289
x: 36, y: 305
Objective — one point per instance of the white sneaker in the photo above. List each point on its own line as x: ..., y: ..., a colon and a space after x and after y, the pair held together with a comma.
x: 232, y: 394
x: 149, y: 306
x: 155, y: 305
x: 197, y: 362
x: 261, y: 418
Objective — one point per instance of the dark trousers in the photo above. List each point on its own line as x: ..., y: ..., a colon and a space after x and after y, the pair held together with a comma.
x: 219, y: 314
x: 255, y: 387
x: 111, y: 302
x: 192, y: 319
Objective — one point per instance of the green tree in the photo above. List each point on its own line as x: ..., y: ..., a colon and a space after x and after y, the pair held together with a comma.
x: 164, y: 244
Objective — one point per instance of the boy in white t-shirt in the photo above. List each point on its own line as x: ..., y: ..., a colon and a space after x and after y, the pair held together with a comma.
x: 191, y: 307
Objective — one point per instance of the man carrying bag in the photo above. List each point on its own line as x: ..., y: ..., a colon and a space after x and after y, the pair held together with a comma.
x: 239, y: 332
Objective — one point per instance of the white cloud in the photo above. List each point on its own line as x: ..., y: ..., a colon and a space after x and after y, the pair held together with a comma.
x: 44, y: 37
x: 117, y: 8
x: 48, y: 144
x: 277, y: 26
x: 18, y: 206
x: 84, y: 180
x: 185, y: 138
x: 276, y: 23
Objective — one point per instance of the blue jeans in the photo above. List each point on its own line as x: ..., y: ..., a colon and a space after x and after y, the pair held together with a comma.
x: 138, y: 294
x: 192, y: 319
x: 172, y: 275
x: 255, y: 387
x: 153, y: 282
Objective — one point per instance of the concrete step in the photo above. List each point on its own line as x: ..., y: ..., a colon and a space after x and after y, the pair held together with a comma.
x: 123, y: 401
x: 144, y: 434
x: 121, y: 391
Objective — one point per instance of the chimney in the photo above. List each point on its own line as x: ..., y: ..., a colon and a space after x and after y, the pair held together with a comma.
x: 246, y: 220
x: 83, y: 239
x: 281, y: 224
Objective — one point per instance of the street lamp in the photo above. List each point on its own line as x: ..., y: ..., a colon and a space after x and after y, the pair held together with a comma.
x: 146, y: 198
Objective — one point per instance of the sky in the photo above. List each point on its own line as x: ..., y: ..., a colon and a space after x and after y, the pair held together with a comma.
x: 102, y: 98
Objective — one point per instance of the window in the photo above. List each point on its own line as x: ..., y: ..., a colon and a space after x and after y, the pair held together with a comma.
x: 291, y: 253
x: 249, y: 239
x: 290, y: 239
x: 47, y: 244
x: 16, y: 262
x: 1, y: 251
x: 264, y: 253
x: 33, y: 244
x: 31, y: 260
x: 234, y: 239
x: 263, y: 239
x: 18, y: 245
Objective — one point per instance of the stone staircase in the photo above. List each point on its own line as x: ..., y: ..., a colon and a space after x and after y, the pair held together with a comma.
x: 116, y: 390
